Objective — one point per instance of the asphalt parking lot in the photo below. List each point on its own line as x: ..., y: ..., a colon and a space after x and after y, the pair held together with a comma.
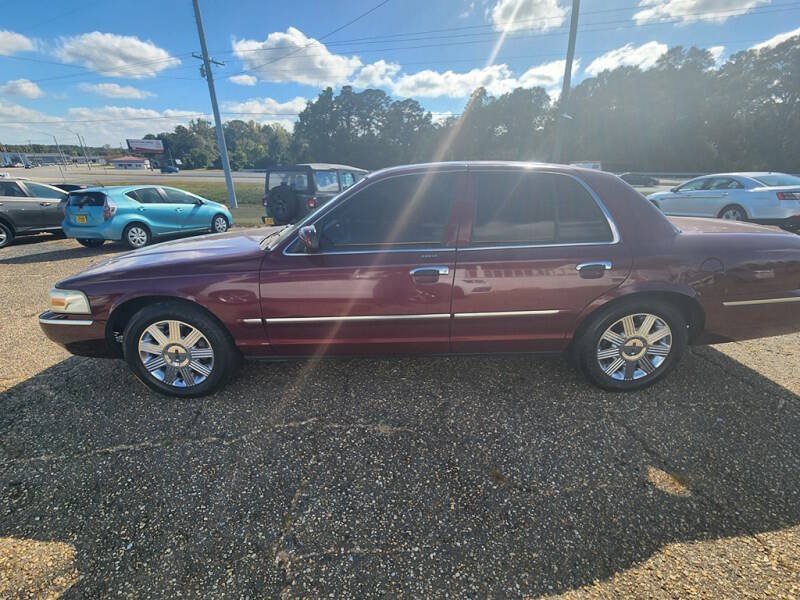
x: 425, y: 477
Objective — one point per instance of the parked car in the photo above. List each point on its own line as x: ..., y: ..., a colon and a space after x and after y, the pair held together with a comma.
x: 291, y: 192
x: 765, y: 198
x: 638, y: 179
x: 441, y: 258
x: 140, y: 214
x: 27, y: 207
x: 170, y: 169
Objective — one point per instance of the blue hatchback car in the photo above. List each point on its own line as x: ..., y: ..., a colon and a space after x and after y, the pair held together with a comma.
x: 139, y: 214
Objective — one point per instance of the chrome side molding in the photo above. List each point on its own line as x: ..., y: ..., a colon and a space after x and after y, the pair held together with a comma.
x: 764, y: 301
x: 63, y: 322
x: 508, y: 313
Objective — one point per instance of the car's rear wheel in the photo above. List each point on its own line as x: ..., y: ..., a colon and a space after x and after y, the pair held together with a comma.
x: 136, y: 236
x: 179, y: 350
x: 91, y: 242
x: 219, y: 224
x: 632, y: 344
x: 6, y: 235
x: 734, y: 212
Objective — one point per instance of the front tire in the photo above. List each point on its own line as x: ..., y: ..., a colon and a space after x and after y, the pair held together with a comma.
x: 632, y: 344
x: 179, y: 350
x: 136, y: 236
x: 219, y: 224
x: 6, y: 235
x: 91, y: 243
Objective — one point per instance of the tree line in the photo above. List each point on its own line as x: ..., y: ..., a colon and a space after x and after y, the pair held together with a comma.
x: 683, y: 114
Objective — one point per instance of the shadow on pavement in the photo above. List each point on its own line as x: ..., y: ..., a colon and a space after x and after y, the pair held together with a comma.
x: 502, y: 476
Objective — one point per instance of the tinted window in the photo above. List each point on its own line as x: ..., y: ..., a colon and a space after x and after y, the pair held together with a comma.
x: 778, y: 179
x: 145, y: 196
x: 535, y: 208
x: 81, y: 199
x: 722, y: 183
x: 409, y: 211
x: 693, y: 186
x: 347, y: 179
x: 42, y: 191
x: 10, y: 188
x: 327, y: 181
x: 178, y: 197
x: 294, y: 179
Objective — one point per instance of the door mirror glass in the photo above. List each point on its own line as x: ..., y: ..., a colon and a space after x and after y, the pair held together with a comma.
x: 310, y: 239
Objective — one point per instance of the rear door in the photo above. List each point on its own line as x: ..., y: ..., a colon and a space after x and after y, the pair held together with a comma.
x: 382, y: 280
x: 48, y: 199
x: 537, y: 248
x: 22, y: 210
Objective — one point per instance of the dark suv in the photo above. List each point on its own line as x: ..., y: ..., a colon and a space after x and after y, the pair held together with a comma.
x: 291, y: 192
x: 28, y: 207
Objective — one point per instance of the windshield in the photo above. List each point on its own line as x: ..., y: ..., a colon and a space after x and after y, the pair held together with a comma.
x: 296, y: 180
x: 778, y: 179
x: 327, y: 181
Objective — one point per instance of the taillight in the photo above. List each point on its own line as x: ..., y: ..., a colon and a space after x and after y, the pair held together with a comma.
x: 788, y: 195
x: 109, y: 208
x: 311, y: 203
x: 264, y: 200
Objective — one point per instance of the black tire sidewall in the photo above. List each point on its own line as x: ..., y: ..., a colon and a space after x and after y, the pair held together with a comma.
x: 9, y: 235
x: 90, y: 242
x: 214, y: 220
x: 606, y: 317
x: 225, y: 353
x: 128, y: 228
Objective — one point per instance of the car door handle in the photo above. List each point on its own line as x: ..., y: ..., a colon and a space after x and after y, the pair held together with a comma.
x: 593, y: 270
x: 178, y: 210
x: 428, y: 274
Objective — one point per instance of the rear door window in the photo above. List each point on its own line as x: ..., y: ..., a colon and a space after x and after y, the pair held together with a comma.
x: 11, y: 189
x: 404, y: 212
x: 515, y: 208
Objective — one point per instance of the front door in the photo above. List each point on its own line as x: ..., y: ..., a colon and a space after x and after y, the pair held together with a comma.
x: 383, y: 277
x: 539, y: 248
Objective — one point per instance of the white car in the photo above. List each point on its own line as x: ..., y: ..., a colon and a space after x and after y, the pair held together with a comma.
x: 765, y: 198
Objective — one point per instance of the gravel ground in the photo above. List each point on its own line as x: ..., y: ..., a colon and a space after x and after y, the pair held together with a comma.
x: 429, y: 477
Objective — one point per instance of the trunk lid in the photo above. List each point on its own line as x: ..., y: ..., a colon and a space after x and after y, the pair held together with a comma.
x: 85, y: 208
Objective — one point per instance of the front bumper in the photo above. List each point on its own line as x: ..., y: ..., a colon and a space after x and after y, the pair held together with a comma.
x: 78, y: 334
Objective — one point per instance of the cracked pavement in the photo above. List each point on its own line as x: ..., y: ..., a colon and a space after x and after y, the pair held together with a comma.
x: 419, y: 477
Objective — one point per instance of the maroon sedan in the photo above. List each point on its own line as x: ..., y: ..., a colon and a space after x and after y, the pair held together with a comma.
x: 441, y: 258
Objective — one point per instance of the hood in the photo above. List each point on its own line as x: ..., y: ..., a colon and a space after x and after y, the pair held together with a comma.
x: 231, y: 252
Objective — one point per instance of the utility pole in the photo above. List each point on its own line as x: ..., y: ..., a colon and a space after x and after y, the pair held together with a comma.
x: 562, y: 114
x: 206, y: 72
x: 85, y: 155
x: 63, y: 160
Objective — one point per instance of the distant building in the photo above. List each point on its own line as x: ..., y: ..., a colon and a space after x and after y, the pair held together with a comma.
x: 129, y: 162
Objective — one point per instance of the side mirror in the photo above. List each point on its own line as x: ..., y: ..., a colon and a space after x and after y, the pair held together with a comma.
x: 198, y: 201
x: 310, y: 238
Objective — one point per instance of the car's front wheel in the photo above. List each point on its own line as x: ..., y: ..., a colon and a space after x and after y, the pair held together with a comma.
x: 632, y: 344
x: 91, y: 243
x: 136, y: 236
x: 179, y: 350
x: 219, y: 224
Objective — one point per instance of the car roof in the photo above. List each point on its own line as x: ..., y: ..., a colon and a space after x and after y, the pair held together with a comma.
x: 744, y: 174
x: 315, y: 167
x: 484, y: 164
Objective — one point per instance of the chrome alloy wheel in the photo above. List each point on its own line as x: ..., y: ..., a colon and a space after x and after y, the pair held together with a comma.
x: 634, y: 346
x: 176, y: 353
x: 220, y: 224
x: 137, y: 236
x: 3, y: 236
x: 732, y: 214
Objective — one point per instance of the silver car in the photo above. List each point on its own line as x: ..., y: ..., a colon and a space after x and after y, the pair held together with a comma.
x: 765, y: 198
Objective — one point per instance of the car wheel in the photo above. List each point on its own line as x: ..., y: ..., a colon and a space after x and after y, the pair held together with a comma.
x: 733, y: 213
x: 219, y: 224
x: 179, y: 350
x: 136, y: 236
x: 631, y: 345
x: 6, y: 235
x: 91, y: 243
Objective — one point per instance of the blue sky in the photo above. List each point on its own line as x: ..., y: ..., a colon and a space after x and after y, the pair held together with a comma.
x: 111, y: 70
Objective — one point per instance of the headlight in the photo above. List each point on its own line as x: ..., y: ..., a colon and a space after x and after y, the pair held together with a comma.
x: 69, y: 301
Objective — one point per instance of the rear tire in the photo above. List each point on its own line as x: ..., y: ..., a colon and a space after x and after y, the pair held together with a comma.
x: 6, y: 235
x: 733, y: 212
x: 136, y: 236
x: 632, y: 344
x: 194, y: 358
x: 91, y: 243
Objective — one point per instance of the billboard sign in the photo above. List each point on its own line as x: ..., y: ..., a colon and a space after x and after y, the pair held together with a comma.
x: 154, y: 146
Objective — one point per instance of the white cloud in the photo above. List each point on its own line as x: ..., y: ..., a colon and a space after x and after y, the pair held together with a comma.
x: 112, y: 124
x: 12, y: 42
x: 265, y: 106
x: 243, y: 79
x: 114, y: 90
x: 21, y: 87
x: 468, y: 11
x: 547, y: 75
x: 687, y: 11
x: 497, y: 79
x: 377, y: 74
x: 775, y: 40
x: 116, y: 55
x: 513, y: 15
x: 644, y: 57
x: 307, y: 60
x: 440, y: 117
x: 718, y: 54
